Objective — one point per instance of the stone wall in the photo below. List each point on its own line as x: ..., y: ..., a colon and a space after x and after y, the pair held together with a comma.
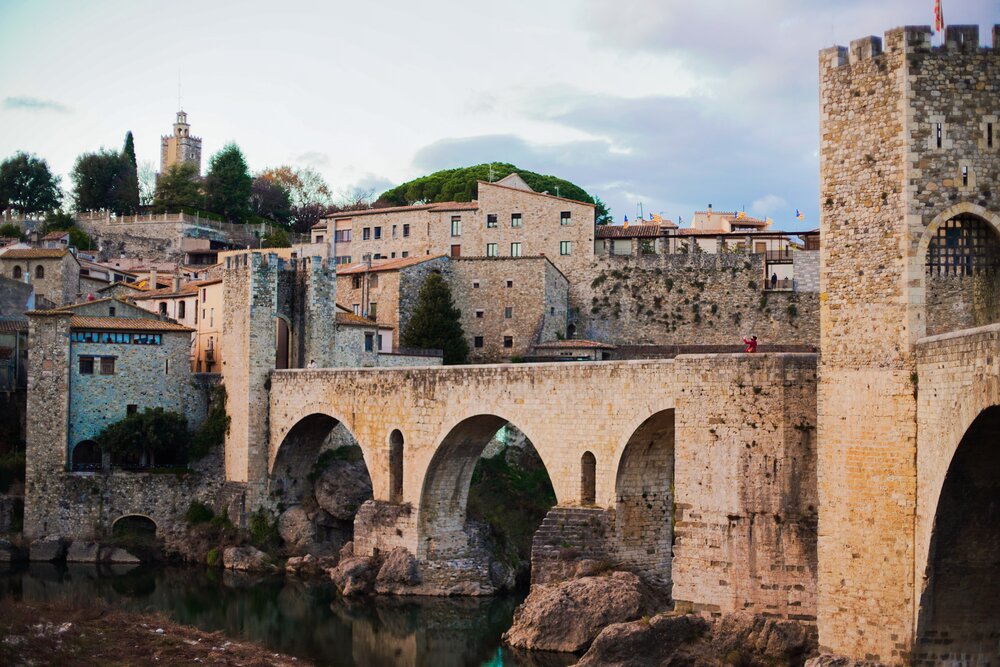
x: 147, y: 376
x: 698, y: 298
x: 60, y: 283
x: 805, y: 269
x: 536, y: 298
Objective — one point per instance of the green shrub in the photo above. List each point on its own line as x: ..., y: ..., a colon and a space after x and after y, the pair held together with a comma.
x: 198, y: 513
x: 214, y: 557
x: 792, y: 310
x: 213, y: 431
x: 263, y: 529
x: 11, y: 231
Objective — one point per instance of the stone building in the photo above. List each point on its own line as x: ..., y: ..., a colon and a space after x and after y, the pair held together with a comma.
x: 55, y: 272
x: 508, y: 303
x: 910, y: 213
x: 196, y: 304
x: 180, y: 146
x: 507, y: 219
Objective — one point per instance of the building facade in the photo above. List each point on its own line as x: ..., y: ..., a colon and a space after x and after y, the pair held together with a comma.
x: 54, y: 272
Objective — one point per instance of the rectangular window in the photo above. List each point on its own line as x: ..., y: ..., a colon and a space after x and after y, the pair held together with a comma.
x: 107, y: 365
x: 565, y: 247
x: 356, y: 282
x: 406, y: 231
x: 406, y: 253
x: 477, y: 341
x: 515, y: 219
x: 456, y: 225
x: 369, y: 342
x: 552, y: 310
x: 372, y: 310
x: 319, y: 238
x: 491, y: 220
x: 989, y: 135
x: 508, y: 312
x: 394, y: 231
x: 480, y: 314
x: 510, y: 283
x: 508, y: 341
x: 515, y: 249
x: 342, y: 236
x: 475, y: 284
x: 86, y: 365
x: 111, y: 311
x: 356, y: 308
x: 373, y: 280
x: 378, y: 233
x: 965, y: 176
x: 938, y: 133
x: 211, y: 317
x: 456, y: 251
x: 392, y: 255
x: 565, y: 218
x: 366, y: 233
x: 491, y: 250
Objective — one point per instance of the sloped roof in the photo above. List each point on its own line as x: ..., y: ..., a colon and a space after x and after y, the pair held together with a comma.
x: 35, y: 253
x: 389, y: 265
x: 619, y: 231
x: 126, y: 324
x: 186, y: 289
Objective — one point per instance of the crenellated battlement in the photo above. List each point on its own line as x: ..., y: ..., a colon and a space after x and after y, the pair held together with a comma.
x: 910, y: 39
x: 261, y: 260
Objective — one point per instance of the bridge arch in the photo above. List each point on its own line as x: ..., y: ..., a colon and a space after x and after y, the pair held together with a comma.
x: 959, y: 607
x: 86, y: 457
x: 644, y: 496
x: 134, y: 524
x: 444, y: 494
x: 956, y: 271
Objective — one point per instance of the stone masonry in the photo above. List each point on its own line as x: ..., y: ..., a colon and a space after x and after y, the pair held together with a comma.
x: 904, y: 149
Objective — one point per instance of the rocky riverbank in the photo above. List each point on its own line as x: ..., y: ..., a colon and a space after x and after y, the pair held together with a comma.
x: 54, y: 634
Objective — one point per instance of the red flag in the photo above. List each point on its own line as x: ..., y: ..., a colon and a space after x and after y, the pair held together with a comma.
x: 938, y: 16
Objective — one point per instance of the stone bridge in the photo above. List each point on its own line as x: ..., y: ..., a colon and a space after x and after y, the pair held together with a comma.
x: 702, y: 468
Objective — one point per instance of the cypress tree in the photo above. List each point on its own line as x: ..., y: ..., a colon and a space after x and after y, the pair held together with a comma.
x: 436, y: 322
x: 228, y: 184
x: 129, y: 150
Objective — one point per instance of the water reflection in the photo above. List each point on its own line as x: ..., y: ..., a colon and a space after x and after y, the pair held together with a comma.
x: 305, y: 619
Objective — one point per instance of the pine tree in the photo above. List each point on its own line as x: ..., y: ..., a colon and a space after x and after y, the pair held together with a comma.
x: 228, y: 184
x: 436, y: 322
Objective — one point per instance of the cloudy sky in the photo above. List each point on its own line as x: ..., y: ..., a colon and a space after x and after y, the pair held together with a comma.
x: 666, y: 103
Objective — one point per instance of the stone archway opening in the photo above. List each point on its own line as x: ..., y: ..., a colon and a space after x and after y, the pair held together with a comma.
x: 588, y: 478
x: 959, y: 615
x: 962, y: 275
x: 644, y: 499
x: 86, y: 457
x: 395, y: 466
x: 318, y: 481
x: 282, y: 344
x: 485, y: 494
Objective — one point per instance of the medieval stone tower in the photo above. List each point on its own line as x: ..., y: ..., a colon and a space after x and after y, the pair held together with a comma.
x: 180, y: 146
x: 910, y: 214
x: 277, y: 315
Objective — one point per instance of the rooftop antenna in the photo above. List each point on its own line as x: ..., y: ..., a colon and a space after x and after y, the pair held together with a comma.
x: 179, y: 107
x: 491, y: 173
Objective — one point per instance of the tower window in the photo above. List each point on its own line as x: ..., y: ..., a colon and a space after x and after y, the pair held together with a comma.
x: 965, y: 176
x: 989, y: 135
x: 938, y: 133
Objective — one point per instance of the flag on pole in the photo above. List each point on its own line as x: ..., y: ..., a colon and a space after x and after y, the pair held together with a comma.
x: 655, y: 217
x: 798, y: 215
x: 938, y: 16
x: 740, y: 215
x: 625, y: 225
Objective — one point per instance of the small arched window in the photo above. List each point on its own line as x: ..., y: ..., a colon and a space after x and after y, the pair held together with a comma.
x: 181, y: 309
x: 39, y: 271
x: 16, y: 273
x: 163, y: 308
x: 396, y: 467
x: 588, y: 479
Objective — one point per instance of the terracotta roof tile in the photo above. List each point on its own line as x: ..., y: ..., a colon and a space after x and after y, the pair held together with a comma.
x: 35, y: 253
x: 619, y: 231
x: 54, y: 236
x: 122, y: 284
x: 126, y: 324
x: 389, y: 265
x: 13, y: 324
x: 350, y: 319
x: 188, y: 288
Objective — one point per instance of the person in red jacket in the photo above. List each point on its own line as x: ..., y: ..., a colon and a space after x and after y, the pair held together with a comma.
x: 751, y: 344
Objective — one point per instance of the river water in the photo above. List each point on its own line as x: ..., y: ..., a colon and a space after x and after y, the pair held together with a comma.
x: 303, y: 618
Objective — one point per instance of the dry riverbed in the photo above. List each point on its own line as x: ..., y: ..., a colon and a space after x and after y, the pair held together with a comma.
x: 89, y: 634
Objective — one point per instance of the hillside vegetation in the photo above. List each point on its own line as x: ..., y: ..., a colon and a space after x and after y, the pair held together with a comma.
x: 461, y: 185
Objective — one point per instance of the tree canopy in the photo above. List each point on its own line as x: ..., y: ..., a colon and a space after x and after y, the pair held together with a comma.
x: 462, y: 185
x: 152, y: 432
x: 228, y: 184
x: 177, y: 189
x: 105, y: 181
x: 436, y: 322
x: 309, y: 195
x: 270, y: 199
x: 27, y: 185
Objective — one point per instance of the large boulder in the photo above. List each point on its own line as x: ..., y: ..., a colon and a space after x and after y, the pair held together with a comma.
x: 354, y: 575
x: 568, y: 616
x: 247, y: 559
x: 398, y: 573
x: 734, y: 639
x: 48, y: 548
x: 82, y: 552
x: 296, y: 528
x: 342, y: 488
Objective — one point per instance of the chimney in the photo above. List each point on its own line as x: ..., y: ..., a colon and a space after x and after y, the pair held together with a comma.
x: 177, y: 282
x: 152, y: 279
